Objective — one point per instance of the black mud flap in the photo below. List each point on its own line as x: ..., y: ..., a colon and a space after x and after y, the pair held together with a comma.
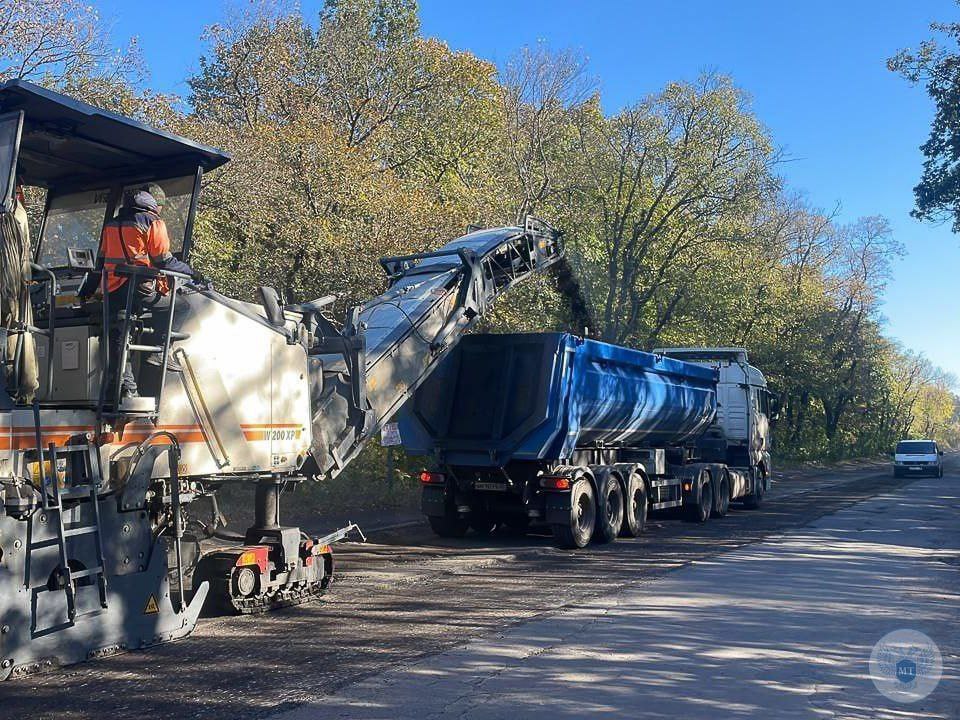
x: 433, y: 500
x: 557, y: 508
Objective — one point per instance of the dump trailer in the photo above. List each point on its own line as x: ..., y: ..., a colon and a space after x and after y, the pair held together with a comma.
x: 100, y: 530
x: 586, y: 436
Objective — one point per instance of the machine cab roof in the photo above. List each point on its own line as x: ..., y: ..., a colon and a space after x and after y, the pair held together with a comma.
x: 85, y: 158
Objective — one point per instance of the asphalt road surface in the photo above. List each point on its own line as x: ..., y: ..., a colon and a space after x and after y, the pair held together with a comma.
x: 407, y: 597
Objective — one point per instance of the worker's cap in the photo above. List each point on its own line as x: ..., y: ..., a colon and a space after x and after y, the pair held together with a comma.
x: 149, y: 197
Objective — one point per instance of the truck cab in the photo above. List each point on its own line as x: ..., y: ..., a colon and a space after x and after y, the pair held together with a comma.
x: 743, y: 405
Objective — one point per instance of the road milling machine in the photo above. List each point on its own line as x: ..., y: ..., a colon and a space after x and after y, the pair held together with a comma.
x: 94, y: 487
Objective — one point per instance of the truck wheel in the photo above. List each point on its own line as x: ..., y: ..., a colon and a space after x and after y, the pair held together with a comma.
x: 721, y: 499
x: 753, y: 500
x: 635, y: 507
x: 609, y: 509
x: 448, y: 527
x: 700, y: 511
x: 583, y: 516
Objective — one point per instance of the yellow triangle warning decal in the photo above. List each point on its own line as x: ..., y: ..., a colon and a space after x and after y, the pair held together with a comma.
x: 152, y: 608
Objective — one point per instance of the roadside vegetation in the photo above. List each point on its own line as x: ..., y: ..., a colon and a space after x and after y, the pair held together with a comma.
x: 354, y: 136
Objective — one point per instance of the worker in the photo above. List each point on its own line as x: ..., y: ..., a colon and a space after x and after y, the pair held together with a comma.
x: 16, y: 311
x: 136, y: 236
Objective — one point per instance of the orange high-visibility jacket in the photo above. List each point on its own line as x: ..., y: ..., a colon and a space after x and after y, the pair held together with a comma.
x: 138, y: 238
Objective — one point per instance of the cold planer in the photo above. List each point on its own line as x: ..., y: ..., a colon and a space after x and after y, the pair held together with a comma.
x: 100, y: 541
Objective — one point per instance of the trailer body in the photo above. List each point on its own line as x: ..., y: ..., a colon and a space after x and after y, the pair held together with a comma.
x: 514, y: 422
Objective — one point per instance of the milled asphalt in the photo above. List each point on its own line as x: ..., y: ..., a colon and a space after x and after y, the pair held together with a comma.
x: 779, y: 629
x: 408, y: 596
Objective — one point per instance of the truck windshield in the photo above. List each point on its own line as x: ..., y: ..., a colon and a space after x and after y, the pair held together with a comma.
x: 916, y: 447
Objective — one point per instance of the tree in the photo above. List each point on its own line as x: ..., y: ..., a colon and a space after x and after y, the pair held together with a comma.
x: 937, y: 65
x: 668, y: 185
x: 63, y: 44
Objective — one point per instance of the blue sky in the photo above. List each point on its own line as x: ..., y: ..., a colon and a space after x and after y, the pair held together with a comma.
x: 816, y: 72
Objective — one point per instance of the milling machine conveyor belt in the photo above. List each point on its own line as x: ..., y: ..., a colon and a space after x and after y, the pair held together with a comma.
x: 391, y: 344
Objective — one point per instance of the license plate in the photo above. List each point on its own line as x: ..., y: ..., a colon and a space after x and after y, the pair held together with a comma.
x: 914, y: 467
x: 496, y: 487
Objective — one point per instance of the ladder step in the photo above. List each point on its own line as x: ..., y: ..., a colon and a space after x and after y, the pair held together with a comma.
x: 41, y: 544
x: 146, y: 348
x: 85, y: 530
x: 77, y: 491
x: 89, y: 613
x: 90, y: 572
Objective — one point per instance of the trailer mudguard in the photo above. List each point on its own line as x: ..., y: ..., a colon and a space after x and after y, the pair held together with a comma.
x: 433, y: 500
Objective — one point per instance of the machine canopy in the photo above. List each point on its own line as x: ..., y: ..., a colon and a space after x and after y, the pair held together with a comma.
x: 68, y: 142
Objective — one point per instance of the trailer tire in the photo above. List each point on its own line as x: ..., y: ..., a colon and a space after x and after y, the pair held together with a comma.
x: 721, y: 499
x: 576, y: 533
x: 610, y: 504
x: 753, y: 500
x: 700, y: 510
x: 634, y: 507
x: 448, y: 527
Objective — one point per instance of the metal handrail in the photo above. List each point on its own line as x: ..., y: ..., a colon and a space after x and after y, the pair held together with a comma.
x: 133, y: 273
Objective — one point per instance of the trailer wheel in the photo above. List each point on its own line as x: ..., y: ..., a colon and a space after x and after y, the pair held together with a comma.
x: 721, y: 500
x: 700, y: 510
x: 635, y: 507
x: 609, y: 508
x: 583, y: 516
x: 448, y: 527
x: 753, y: 500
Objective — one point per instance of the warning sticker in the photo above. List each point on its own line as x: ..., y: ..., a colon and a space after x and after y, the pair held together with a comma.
x: 152, y: 607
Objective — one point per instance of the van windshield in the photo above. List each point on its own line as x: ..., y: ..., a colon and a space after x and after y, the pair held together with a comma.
x: 916, y: 447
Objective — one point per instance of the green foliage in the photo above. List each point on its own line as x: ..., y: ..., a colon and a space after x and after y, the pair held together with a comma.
x: 354, y: 137
x: 937, y: 65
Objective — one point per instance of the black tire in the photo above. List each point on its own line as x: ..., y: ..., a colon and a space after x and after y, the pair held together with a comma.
x: 634, y: 507
x: 700, y: 510
x: 583, y: 516
x: 753, y: 500
x: 448, y: 527
x: 609, y: 509
x: 483, y: 524
x: 721, y: 498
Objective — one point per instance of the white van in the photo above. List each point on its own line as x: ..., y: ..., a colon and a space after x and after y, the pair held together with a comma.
x: 917, y: 457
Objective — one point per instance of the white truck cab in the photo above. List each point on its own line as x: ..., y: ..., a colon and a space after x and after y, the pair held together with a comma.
x: 743, y: 402
x: 917, y: 457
